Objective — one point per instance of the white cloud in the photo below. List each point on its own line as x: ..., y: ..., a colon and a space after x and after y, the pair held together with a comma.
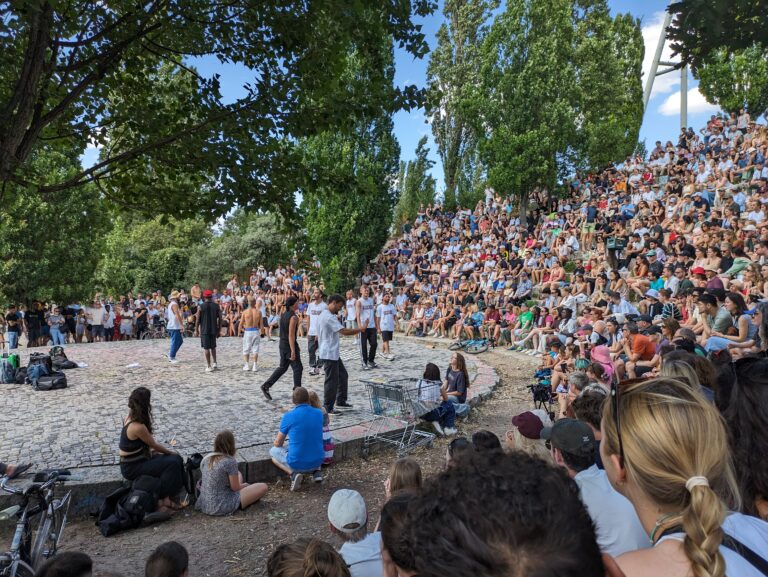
x: 651, y: 32
x: 696, y: 104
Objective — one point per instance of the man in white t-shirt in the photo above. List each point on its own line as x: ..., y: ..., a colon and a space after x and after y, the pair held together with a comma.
x: 95, y: 316
x: 314, y: 308
x: 328, y: 330
x: 385, y: 324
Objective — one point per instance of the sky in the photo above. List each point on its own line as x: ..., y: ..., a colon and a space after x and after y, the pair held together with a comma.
x: 661, y: 121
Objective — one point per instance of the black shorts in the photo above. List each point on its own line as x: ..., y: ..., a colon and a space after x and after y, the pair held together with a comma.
x: 208, y: 342
x: 386, y: 336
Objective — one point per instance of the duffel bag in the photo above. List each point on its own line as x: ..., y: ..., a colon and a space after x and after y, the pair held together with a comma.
x: 56, y: 380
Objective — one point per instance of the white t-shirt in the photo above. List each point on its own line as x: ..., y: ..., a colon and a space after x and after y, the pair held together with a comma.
x: 351, y: 309
x: 364, y: 557
x: 367, y: 312
x: 328, y: 327
x: 313, y: 310
x: 96, y: 315
x: 386, y: 314
x: 617, y: 526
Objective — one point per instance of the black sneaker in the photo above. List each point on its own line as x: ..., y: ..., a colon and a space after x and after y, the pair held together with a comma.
x: 372, y: 365
x: 296, y: 479
x: 330, y: 411
x: 317, y: 477
x: 265, y: 390
x: 343, y: 405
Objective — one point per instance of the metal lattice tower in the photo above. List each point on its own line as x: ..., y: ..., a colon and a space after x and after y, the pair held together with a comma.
x: 667, y: 68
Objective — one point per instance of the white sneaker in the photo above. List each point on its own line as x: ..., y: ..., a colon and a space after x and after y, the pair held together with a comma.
x: 438, y: 428
x: 173, y: 361
x: 215, y: 365
x: 208, y: 369
x: 253, y: 370
x: 450, y: 431
x: 246, y: 367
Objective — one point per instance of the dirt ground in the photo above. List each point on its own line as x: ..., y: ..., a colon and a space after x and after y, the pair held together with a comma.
x: 239, y: 545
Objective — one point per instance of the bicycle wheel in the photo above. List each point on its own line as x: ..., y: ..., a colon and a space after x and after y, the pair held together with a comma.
x: 457, y: 346
x: 20, y: 569
x: 477, y: 348
x: 36, y: 554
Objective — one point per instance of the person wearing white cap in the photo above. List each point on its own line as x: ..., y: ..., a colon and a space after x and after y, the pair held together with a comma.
x: 348, y: 518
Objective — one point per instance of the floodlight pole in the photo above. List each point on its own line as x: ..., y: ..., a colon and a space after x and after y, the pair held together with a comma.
x: 669, y: 67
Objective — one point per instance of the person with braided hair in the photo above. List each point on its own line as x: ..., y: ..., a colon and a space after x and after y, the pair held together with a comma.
x: 665, y: 448
x: 306, y: 558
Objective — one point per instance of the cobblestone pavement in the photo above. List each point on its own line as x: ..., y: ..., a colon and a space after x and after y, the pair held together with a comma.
x: 79, y: 426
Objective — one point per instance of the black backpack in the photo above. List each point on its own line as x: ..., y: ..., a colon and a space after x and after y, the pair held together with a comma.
x: 191, y: 475
x: 59, y: 359
x: 41, y: 359
x: 56, y: 380
x: 130, y: 507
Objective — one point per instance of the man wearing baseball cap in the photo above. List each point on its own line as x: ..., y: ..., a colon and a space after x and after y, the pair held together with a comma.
x: 208, y: 324
x: 618, y: 528
x: 348, y: 518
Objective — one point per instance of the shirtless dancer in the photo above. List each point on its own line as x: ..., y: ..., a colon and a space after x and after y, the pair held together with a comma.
x: 251, y: 323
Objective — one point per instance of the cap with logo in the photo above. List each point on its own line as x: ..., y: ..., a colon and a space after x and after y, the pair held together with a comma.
x: 571, y: 436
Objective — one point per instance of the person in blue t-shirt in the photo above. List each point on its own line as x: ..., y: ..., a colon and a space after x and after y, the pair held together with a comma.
x: 303, y: 426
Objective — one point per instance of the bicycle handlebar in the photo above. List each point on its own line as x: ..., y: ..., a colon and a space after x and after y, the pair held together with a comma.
x: 53, y: 477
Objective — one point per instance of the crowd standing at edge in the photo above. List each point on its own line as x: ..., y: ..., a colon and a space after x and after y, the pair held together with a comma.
x: 643, y: 291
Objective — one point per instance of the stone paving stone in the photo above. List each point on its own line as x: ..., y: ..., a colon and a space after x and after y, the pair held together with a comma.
x: 79, y: 426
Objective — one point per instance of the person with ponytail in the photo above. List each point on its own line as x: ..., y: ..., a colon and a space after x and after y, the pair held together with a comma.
x: 665, y: 448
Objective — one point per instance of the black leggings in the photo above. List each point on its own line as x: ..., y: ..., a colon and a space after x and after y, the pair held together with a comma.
x: 168, y: 468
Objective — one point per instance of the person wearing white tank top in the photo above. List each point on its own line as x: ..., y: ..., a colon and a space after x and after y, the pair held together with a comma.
x: 350, y: 310
x: 665, y: 448
x: 174, y: 325
x: 365, y: 314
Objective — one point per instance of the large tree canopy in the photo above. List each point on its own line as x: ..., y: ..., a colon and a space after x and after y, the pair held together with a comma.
x: 736, y: 80
x: 72, y: 73
x: 701, y: 27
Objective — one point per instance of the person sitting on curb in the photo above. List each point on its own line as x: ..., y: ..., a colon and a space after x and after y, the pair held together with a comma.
x: 348, y: 518
x: 303, y: 426
x: 222, y: 489
x: 442, y: 417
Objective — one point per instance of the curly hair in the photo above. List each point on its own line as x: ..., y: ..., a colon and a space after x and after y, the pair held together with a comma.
x: 523, y: 517
x: 306, y: 558
x: 140, y: 407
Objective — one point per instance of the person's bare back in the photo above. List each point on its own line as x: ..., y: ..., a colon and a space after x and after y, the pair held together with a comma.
x: 251, y: 318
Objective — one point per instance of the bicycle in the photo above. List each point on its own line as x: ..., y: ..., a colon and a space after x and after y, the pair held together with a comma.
x: 472, y: 346
x: 30, y: 549
x: 155, y: 331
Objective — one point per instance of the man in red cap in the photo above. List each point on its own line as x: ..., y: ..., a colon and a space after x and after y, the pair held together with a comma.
x: 209, y: 325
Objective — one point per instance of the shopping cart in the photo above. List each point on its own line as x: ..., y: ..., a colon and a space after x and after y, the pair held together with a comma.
x: 396, y: 406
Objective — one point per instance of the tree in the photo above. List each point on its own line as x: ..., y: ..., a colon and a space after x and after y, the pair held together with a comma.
x: 148, y: 254
x: 736, y: 80
x: 50, y: 243
x: 246, y: 240
x: 70, y: 72
x: 702, y: 27
x: 417, y: 186
x: 560, y: 91
x: 453, y: 75
x: 347, y: 230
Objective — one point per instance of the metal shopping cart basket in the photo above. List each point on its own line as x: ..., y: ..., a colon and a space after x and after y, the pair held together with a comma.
x: 396, y: 406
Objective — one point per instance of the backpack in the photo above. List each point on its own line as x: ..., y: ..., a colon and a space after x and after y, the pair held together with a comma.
x: 21, y: 375
x: 34, y: 372
x: 59, y: 359
x: 7, y: 372
x: 56, y: 380
x: 129, y: 507
x: 191, y: 473
x: 41, y: 359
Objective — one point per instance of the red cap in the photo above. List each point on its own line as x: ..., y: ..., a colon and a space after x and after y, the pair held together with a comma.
x: 528, y: 424
x: 697, y: 270
x: 207, y: 293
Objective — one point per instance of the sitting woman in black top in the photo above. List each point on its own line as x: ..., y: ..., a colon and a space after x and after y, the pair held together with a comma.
x: 141, y: 455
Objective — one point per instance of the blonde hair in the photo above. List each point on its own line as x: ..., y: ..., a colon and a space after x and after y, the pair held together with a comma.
x: 404, y: 475
x: 533, y: 447
x: 679, y: 369
x: 306, y: 558
x: 314, y: 400
x: 669, y: 434
x: 224, y: 444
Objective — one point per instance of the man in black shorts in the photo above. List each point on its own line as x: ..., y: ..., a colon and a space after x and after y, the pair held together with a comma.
x: 209, y: 325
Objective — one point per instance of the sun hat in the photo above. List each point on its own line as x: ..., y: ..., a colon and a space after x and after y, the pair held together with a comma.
x: 652, y: 293
x: 174, y: 295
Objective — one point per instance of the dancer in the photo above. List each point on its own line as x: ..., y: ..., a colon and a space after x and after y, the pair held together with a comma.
x: 314, y: 309
x: 328, y: 330
x: 366, y: 314
x: 174, y: 325
x: 385, y: 324
x: 251, y: 323
x: 290, y: 355
x: 208, y: 325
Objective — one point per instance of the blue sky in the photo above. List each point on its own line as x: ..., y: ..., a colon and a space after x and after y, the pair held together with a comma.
x: 661, y: 120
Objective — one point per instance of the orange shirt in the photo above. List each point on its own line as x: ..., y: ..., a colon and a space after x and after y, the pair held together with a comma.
x: 643, y: 346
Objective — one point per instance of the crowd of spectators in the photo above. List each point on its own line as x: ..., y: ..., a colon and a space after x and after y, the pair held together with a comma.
x: 642, y: 290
